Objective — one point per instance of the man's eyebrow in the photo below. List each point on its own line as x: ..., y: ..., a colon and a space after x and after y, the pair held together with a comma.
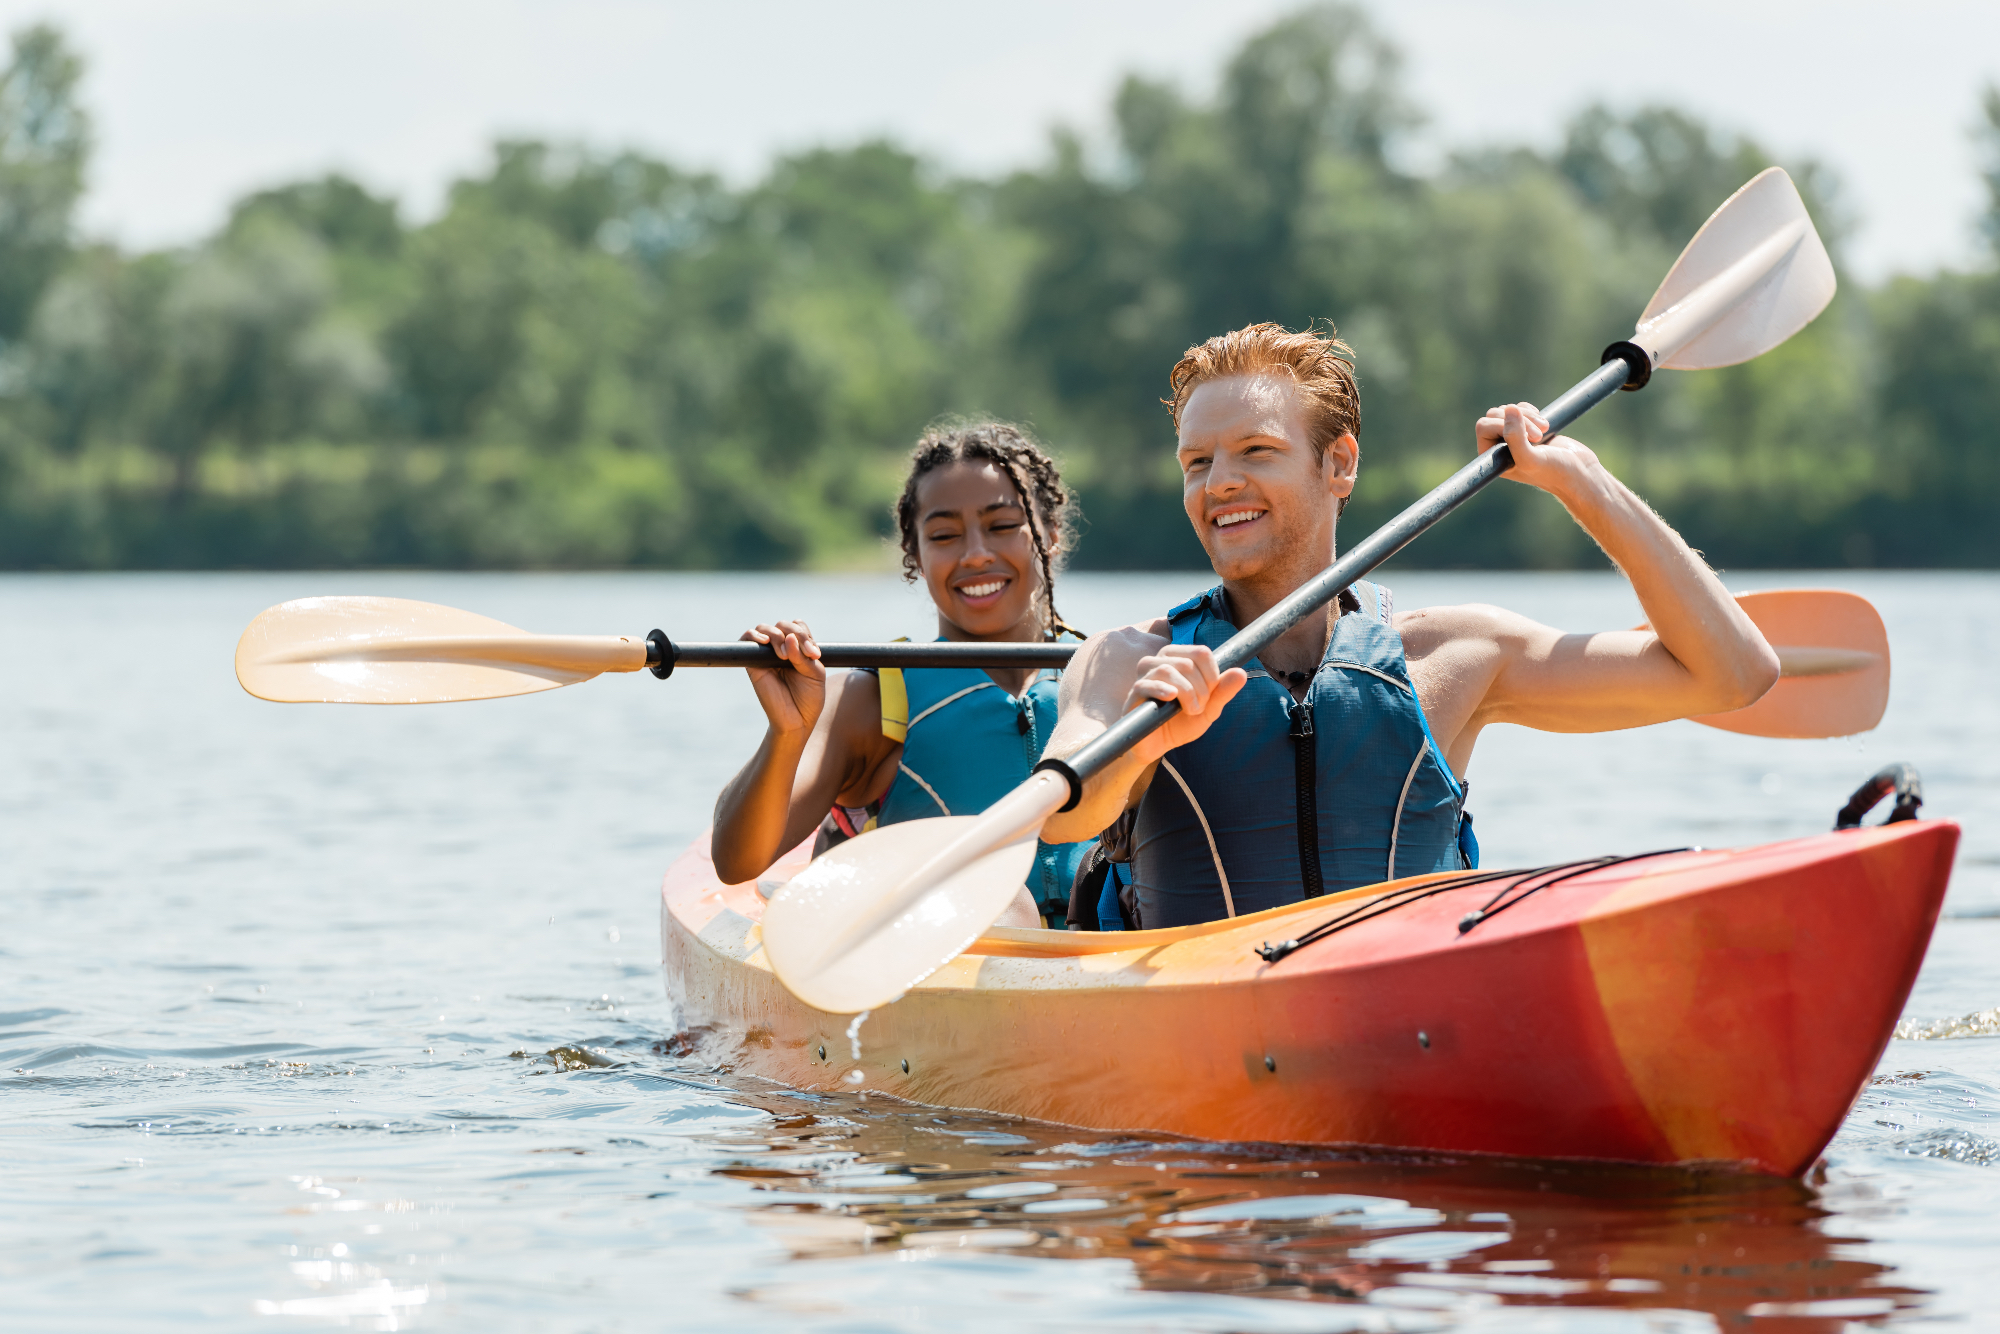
x: 1254, y: 433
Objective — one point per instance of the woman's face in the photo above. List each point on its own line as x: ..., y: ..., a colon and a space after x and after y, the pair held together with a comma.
x: 977, y: 552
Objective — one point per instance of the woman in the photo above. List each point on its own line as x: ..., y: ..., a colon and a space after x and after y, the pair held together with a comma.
x: 983, y: 519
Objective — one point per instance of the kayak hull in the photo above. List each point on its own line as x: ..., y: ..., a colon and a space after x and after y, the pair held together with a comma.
x: 1699, y: 1006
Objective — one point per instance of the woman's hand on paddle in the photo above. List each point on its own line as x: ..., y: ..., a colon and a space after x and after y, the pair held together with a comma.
x: 1187, y: 675
x: 792, y: 696
x: 1549, y: 464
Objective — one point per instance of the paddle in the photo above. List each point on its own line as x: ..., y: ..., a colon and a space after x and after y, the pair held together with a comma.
x: 373, y: 650
x: 881, y: 912
x: 370, y: 650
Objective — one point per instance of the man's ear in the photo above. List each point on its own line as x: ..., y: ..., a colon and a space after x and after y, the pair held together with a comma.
x: 1340, y: 465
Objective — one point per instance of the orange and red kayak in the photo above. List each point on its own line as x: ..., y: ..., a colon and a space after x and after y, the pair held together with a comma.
x: 1678, y: 1007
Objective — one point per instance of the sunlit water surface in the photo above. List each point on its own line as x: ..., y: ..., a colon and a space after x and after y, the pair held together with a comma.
x: 354, y: 1016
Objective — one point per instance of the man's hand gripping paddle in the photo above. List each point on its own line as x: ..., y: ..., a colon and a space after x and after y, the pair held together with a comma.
x: 875, y: 916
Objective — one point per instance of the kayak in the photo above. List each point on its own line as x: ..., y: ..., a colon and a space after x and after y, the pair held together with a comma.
x: 1688, y: 1006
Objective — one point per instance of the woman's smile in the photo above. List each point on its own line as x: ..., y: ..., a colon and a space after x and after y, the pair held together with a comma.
x: 984, y: 591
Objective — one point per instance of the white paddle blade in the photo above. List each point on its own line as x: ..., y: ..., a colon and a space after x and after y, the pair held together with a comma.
x: 862, y: 878
x: 880, y: 913
x: 1754, y: 275
x: 371, y: 650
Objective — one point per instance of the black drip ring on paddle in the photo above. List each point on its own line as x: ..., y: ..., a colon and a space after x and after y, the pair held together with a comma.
x: 659, y: 654
x: 1638, y: 366
x: 1069, y: 776
x: 1901, y: 779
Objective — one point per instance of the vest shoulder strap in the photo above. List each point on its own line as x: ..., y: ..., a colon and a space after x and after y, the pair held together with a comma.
x: 895, y: 704
x: 1185, y: 619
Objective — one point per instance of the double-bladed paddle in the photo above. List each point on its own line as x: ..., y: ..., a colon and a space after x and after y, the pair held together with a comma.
x: 876, y: 915
x: 1833, y: 657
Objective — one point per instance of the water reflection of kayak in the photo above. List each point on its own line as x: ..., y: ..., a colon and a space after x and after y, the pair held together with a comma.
x: 1676, y: 1007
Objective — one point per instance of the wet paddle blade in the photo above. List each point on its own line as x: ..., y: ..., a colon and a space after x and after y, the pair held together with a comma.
x: 806, y: 922
x: 370, y: 650
x: 1834, y: 653
x: 1754, y: 275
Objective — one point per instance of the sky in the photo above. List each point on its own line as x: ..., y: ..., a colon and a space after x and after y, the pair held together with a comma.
x: 197, y: 102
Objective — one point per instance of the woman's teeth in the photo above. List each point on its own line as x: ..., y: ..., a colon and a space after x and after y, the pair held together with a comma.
x: 1240, y: 516
x: 981, y: 590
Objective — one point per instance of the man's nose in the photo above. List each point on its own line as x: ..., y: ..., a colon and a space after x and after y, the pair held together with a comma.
x: 1223, y: 478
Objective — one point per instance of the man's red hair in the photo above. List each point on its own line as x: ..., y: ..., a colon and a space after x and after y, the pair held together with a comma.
x: 1317, y: 362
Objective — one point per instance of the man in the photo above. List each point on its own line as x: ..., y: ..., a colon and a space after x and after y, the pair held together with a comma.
x: 1337, y: 759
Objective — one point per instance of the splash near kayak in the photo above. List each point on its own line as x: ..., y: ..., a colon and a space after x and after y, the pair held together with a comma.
x: 1683, y: 1007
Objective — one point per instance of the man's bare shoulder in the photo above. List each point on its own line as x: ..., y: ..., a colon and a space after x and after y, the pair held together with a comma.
x: 1429, y: 630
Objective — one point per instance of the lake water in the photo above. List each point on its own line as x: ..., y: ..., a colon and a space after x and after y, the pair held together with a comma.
x: 338, y: 1016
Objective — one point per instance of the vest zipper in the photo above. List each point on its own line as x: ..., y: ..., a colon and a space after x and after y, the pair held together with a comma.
x: 1307, y: 812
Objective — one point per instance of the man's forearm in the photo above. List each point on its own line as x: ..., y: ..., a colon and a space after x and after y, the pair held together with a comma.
x: 1688, y: 608
x: 1104, y: 799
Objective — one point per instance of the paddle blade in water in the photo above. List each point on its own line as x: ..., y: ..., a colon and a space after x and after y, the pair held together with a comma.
x: 370, y: 650
x: 1834, y: 653
x: 808, y: 921
x: 1754, y: 275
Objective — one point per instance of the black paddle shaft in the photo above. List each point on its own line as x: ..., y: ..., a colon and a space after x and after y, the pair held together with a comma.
x: 663, y: 655
x: 1623, y: 365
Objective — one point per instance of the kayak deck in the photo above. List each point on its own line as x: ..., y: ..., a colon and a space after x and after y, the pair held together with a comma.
x: 1691, y: 1006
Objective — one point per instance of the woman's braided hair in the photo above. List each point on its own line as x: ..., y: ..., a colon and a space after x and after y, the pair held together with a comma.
x: 1049, y: 506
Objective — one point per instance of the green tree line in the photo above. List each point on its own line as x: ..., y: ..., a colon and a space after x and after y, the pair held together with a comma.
x: 600, y: 359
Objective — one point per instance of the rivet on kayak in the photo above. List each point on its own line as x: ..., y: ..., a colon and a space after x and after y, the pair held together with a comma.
x: 1423, y: 1040
x: 906, y: 1065
x: 822, y: 1050
x: 1271, y: 1064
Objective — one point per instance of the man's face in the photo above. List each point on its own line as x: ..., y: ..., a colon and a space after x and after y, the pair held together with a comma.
x: 1260, y: 498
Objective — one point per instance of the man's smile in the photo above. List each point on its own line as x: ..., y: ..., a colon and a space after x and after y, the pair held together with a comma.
x: 1231, y: 518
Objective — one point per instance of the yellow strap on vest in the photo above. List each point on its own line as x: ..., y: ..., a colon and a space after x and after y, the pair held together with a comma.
x: 895, y: 703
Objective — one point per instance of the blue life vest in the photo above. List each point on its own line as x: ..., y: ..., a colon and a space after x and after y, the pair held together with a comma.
x: 966, y: 744
x: 1218, y: 833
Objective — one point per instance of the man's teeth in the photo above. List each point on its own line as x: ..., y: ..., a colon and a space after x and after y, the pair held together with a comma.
x: 982, y: 590
x: 1240, y: 516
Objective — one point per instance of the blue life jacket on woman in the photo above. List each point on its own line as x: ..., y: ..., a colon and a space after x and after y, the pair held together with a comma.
x: 966, y: 744
x: 1280, y: 801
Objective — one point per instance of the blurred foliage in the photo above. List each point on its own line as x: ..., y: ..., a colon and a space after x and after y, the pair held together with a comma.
x: 597, y: 359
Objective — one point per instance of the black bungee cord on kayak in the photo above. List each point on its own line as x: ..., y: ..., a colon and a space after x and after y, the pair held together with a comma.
x: 1545, y: 876
x: 1495, y: 905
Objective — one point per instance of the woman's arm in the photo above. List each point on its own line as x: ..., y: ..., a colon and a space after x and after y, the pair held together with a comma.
x: 823, y: 741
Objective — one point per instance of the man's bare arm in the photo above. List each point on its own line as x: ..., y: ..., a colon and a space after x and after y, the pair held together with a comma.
x: 1113, y: 672
x: 1475, y: 665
